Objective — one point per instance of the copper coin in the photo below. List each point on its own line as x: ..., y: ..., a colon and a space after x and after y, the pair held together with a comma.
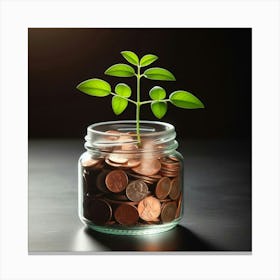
x: 146, y: 179
x: 132, y: 163
x: 136, y: 190
x: 173, y: 158
x: 126, y: 215
x: 163, y: 188
x: 129, y: 164
x: 89, y: 182
x: 112, y: 163
x: 117, y: 158
x: 88, y: 163
x: 116, y: 181
x: 100, y: 181
x: 168, y: 212
x: 149, y: 208
x: 117, y: 196
x: 178, y: 211
x: 148, y: 166
x: 112, y: 135
x: 100, y: 211
x: 128, y: 143
x: 113, y: 201
x: 175, y: 188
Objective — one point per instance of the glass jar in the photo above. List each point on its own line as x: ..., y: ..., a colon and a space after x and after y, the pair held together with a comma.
x: 129, y: 188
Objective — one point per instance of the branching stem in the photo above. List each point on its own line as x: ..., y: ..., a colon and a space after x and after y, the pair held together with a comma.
x: 138, y: 104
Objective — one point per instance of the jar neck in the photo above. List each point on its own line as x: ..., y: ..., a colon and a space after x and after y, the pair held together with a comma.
x: 121, y: 137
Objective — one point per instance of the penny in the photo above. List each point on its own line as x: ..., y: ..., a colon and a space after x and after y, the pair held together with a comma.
x: 137, y: 190
x: 117, y: 196
x: 178, y: 211
x: 175, y: 189
x: 128, y: 143
x: 126, y: 215
x: 148, y: 166
x: 112, y: 135
x: 89, y: 182
x: 90, y: 163
x: 163, y: 188
x: 100, y: 181
x: 100, y: 211
x: 174, y: 158
x: 116, y: 181
x: 129, y: 164
x: 132, y: 163
x: 149, y: 208
x: 113, y: 201
x: 117, y: 158
x: 112, y: 163
x: 146, y: 179
x: 168, y: 212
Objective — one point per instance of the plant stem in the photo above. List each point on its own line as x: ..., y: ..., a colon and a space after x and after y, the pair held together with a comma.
x: 150, y: 101
x: 129, y: 100
x: 138, y: 104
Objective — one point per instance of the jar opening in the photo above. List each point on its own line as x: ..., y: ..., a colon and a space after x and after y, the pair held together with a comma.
x: 154, y: 136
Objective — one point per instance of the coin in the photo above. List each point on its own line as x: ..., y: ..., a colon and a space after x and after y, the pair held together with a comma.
x: 89, y: 163
x: 100, y: 211
x: 175, y: 188
x: 173, y: 158
x: 117, y: 158
x: 89, y: 182
x: 168, y: 212
x: 149, y: 208
x: 117, y: 196
x: 128, y: 143
x: 146, y: 179
x: 107, y: 160
x: 178, y: 211
x: 132, y: 163
x: 148, y: 166
x: 137, y: 190
x: 128, y: 164
x: 100, y: 181
x: 113, y: 135
x: 126, y: 215
x: 163, y: 188
x: 116, y: 181
x: 113, y: 201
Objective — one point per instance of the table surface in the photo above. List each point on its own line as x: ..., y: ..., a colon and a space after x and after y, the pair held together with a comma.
x: 217, y: 203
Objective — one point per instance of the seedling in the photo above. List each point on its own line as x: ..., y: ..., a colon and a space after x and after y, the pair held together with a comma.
x: 122, y: 92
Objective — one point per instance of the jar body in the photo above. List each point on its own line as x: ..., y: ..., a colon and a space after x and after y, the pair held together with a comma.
x: 129, y: 188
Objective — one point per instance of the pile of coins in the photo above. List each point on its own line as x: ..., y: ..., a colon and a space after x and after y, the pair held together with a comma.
x: 131, y: 189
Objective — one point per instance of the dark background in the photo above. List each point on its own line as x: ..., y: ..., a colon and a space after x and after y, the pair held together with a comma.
x: 212, y: 63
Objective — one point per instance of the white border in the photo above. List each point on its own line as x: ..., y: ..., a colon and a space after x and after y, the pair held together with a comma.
x: 262, y: 16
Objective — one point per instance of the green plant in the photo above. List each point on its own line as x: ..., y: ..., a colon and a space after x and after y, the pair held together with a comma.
x: 122, y: 92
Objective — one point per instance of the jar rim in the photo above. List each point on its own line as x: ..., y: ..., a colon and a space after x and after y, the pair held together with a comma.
x: 155, y: 136
x: 166, y: 127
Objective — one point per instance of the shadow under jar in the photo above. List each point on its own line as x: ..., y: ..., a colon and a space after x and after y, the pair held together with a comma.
x: 128, y: 188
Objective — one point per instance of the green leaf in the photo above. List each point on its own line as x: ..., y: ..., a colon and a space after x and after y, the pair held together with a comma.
x: 123, y: 90
x: 120, y: 70
x: 184, y: 99
x: 160, y: 74
x: 131, y: 57
x: 159, y: 108
x: 119, y: 104
x: 147, y: 60
x: 95, y: 87
x: 157, y: 93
